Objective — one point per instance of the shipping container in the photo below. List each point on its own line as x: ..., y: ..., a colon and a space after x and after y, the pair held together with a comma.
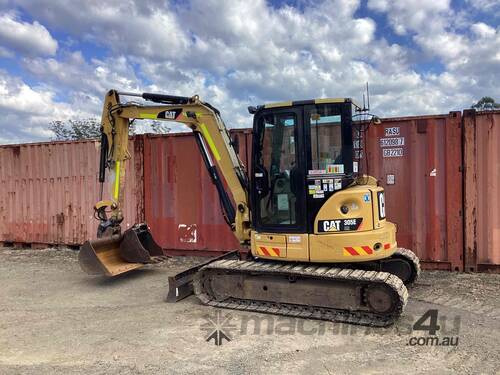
x: 418, y: 162
x: 181, y: 203
x: 48, y: 191
x: 482, y: 190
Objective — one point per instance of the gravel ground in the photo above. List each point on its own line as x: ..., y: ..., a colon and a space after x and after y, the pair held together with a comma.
x: 55, y: 319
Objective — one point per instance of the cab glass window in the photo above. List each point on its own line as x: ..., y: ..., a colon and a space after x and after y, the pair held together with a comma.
x: 326, y: 136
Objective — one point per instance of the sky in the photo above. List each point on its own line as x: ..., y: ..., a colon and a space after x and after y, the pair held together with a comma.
x: 58, y: 58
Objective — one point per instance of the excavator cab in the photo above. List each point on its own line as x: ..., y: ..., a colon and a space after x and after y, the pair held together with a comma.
x: 302, y: 155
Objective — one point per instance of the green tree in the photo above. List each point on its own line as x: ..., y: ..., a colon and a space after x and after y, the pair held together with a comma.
x: 486, y: 103
x: 90, y: 128
x: 159, y: 127
x: 71, y: 130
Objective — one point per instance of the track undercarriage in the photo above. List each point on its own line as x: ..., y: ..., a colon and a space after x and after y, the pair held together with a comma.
x: 337, y: 292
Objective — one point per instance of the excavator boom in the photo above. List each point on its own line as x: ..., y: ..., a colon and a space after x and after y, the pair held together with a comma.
x: 113, y: 252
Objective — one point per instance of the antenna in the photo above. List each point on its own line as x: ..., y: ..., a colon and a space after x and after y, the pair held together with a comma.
x: 367, y: 96
x: 364, y: 106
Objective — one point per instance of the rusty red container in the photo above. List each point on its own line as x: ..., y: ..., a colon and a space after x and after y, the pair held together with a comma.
x: 482, y: 190
x: 418, y: 162
x: 181, y: 203
x: 48, y: 190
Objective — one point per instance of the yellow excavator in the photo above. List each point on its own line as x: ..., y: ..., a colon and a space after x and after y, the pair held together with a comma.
x: 320, y: 245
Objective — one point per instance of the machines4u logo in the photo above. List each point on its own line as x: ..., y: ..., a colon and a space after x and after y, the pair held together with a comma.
x: 218, y: 327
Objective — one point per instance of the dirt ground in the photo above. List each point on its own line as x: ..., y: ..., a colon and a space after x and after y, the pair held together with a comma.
x: 56, y: 319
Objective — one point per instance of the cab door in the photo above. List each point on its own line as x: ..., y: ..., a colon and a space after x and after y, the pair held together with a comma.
x: 278, y: 179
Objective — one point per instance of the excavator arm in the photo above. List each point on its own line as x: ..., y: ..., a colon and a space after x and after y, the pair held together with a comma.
x: 115, y: 252
x: 210, y: 133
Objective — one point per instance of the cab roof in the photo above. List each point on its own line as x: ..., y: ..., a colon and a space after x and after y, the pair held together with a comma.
x: 310, y: 101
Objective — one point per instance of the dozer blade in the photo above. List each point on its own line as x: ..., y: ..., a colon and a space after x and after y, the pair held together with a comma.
x: 118, y: 254
x: 181, y: 285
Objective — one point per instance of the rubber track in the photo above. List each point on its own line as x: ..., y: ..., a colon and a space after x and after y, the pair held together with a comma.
x: 326, y: 273
x: 410, y: 255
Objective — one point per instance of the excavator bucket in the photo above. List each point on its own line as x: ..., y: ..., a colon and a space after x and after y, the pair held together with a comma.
x: 111, y: 256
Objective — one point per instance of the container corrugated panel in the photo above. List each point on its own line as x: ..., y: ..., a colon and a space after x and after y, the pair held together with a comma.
x: 181, y: 203
x: 482, y: 190
x: 418, y: 162
x: 48, y: 190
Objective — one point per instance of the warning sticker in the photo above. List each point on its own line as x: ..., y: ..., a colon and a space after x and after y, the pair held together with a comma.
x: 317, y: 171
x: 335, y: 168
x: 294, y: 239
x: 338, y: 184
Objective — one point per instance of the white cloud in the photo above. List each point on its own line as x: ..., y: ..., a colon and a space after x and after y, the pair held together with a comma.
x: 73, y: 72
x: 140, y: 28
x: 470, y: 59
x: 448, y: 46
x: 27, y: 111
x: 412, y: 15
x: 240, y: 53
x: 26, y: 38
x: 483, y: 30
x: 484, y: 5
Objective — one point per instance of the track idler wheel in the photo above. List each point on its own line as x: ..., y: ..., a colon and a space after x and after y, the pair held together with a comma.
x: 404, y: 264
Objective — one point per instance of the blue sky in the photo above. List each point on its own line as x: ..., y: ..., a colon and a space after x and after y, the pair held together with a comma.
x: 57, y: 58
